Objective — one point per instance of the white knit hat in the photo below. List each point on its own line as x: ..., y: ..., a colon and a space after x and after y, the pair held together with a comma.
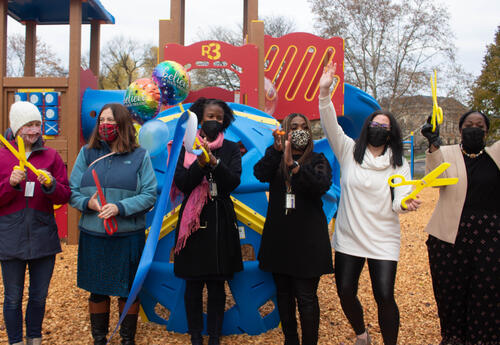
x: 21, y: 113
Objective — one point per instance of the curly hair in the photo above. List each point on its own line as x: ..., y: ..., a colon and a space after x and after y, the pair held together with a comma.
x: 198, y: 108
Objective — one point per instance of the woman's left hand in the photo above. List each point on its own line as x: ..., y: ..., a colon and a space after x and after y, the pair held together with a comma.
x: 201, y: 158
x: 108, y: 211
x: 413, y: 204
x: 44, y: 181
x: 288, y: 157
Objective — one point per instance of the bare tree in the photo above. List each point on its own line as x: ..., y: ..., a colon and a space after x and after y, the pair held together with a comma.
x: 47, y: 63
x: 278, y: 26
x: 273, y: 25
x: 391, y: 46
x: 123, y: 61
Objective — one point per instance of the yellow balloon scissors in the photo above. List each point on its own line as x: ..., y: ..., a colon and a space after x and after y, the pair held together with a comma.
x: 429, y: 180
x: 437, y: 111
x: 21, y: 155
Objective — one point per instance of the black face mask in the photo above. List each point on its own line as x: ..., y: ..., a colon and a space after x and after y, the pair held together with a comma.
x: 472, y: 139
x: 377, y: 136
x: 211, y: 129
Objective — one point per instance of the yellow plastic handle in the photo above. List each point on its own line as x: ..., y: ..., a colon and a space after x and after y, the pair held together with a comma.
x: 437, y: 111
x: 197, y: 144
x: 22, y: 160
x: 22, y: 152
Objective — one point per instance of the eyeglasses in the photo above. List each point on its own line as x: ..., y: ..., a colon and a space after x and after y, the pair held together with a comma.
x: 380, y: 125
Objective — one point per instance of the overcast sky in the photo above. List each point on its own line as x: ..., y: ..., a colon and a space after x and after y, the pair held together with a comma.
x: 473, y: 22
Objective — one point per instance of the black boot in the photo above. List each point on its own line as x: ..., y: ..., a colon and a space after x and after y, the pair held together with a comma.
x: 99, y: 327
x: 196, y: 338
x: 128, y: 329
x: 214, y: 340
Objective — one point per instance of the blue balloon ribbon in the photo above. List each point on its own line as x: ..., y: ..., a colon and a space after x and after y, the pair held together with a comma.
x: 154, y: 232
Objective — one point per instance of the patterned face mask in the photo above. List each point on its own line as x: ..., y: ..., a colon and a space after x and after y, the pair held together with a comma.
x: 108, y: 131
x: 30, y: 134
x: 300, y: 138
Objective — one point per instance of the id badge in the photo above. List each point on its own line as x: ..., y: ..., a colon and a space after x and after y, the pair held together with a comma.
x: 290, y: 201
x: 29, y: 190
x: 213, y: 189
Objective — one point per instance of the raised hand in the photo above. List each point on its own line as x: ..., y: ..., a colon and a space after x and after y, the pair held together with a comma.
x: 278, y: 142
x: 433, y: 137
x: 327, y: 78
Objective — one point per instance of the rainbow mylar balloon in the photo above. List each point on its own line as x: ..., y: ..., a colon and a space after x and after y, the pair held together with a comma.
x: 173, y: 82
x: 142, y: 99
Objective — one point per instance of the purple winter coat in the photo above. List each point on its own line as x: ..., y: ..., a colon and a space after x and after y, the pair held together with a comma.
x: 28, y: 228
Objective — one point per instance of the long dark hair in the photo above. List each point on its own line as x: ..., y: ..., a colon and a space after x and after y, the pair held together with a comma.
x: 395, y: 141
x: 126, y: 140
x: 286, y: 124
x: 198, y: 108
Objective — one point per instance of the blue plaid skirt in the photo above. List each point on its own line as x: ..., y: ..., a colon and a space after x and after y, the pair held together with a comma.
x: 107, y: 265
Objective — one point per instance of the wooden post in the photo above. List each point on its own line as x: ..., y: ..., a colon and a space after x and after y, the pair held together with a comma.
x: 72, y: 111
x: 95, y: 46
x: 172, y: 30
x: 250, y: 13
x: 30, y: 49
x: 4, y: 111
x: 256, y: 36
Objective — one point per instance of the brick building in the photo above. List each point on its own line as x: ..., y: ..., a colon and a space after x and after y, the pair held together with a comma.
x: 412, y: 113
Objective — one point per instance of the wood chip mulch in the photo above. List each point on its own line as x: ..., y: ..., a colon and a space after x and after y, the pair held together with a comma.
x: 67, y: 320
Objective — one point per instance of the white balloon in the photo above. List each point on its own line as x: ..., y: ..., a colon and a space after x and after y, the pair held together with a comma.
x: 190, y: 136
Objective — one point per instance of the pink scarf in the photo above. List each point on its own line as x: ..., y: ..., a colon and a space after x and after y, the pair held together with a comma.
x: 190, y: 221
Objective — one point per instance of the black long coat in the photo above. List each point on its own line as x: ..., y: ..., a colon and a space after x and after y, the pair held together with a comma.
x: 297, y: 243
x: 214, y: 249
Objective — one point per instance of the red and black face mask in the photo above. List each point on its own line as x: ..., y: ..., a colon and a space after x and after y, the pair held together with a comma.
x: 108, y: 131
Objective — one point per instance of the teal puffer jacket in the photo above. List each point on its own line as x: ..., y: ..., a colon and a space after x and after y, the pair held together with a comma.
x: 127, y: 180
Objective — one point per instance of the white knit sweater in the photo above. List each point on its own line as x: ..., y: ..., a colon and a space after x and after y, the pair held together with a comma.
x: 367, y: 223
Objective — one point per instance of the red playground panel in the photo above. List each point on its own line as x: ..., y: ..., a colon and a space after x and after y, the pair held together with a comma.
x: 241, y: 60
x: 61, y: 214
x: 294, y: 63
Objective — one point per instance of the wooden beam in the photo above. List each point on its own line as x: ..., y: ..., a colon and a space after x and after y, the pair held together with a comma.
x: 4, y: 111
x: 164, y: 37
x: 34, y: 82
x: 256, y: 36
x: 95, y: 46
x: 72, y: 111
x: 250, y: 13
x: 30, y: 49
x: 172, y: 30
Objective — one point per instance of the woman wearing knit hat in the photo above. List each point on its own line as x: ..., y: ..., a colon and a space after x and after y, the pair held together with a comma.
x: 28, y: 231
x: 464, y: 234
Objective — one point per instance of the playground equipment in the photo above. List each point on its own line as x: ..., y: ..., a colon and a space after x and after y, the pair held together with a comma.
x: 293, y: 63
x: 251, y: 288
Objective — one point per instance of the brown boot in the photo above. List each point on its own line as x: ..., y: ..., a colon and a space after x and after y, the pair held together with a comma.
x: 99, y: 321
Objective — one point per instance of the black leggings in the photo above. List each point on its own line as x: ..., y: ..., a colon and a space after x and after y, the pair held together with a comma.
x: 383, y: 275
x: 216, y: 302
x: 303, y: 290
